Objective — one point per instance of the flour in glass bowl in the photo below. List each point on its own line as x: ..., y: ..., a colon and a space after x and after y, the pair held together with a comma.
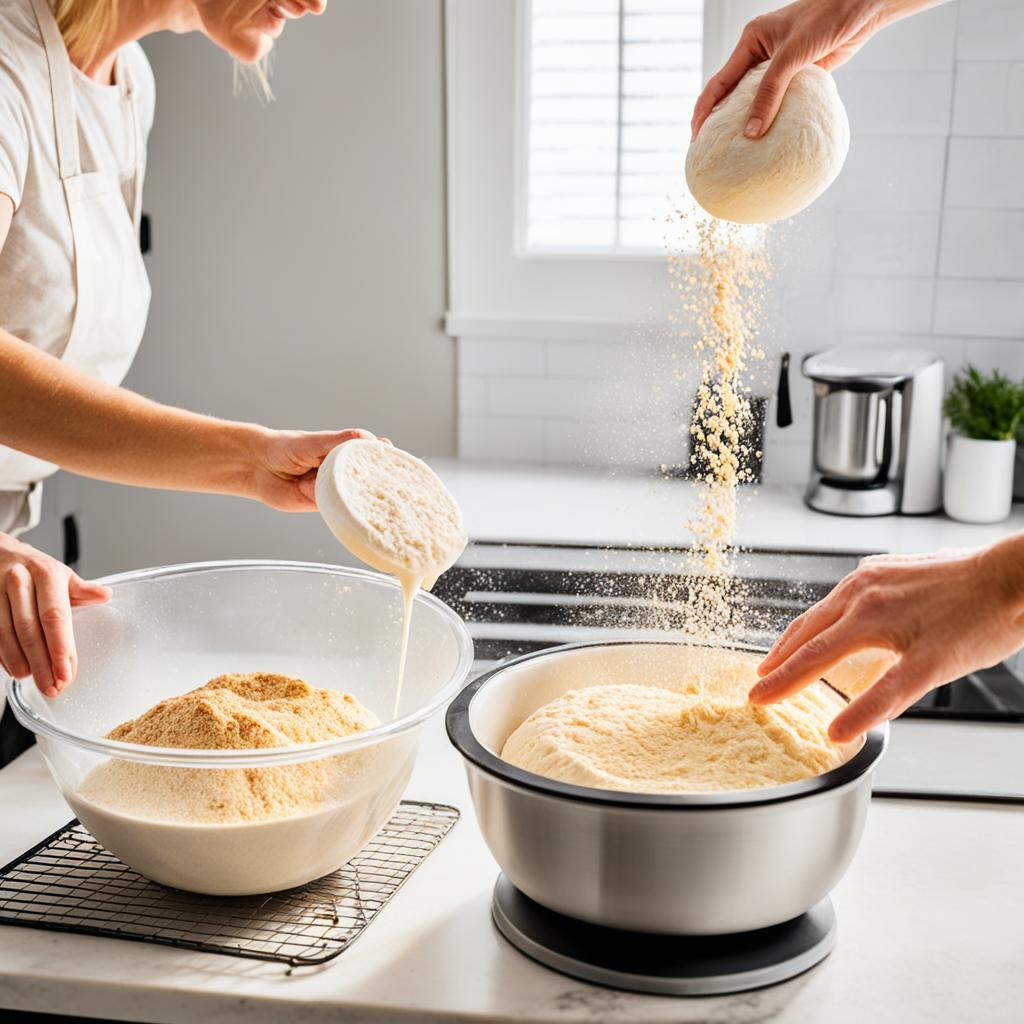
x: 245, y: 830
x: 256, y: 711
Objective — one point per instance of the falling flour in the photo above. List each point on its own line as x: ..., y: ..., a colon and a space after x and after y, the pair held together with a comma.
x: 721, y: 295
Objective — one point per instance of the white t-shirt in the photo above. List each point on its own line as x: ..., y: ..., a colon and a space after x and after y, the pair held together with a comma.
x: 29, y: 171
x: 37, y: 264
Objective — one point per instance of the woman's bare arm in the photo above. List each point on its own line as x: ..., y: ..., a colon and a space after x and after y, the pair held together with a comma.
x: 60, y: 414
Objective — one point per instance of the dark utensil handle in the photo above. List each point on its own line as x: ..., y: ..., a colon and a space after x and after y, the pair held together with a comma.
x: 783, y: 408
x: 72, y: 546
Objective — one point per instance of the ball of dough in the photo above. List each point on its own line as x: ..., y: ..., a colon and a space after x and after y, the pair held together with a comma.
x: 754, y: 181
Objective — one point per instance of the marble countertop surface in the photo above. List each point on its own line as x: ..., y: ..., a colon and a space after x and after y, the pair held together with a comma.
x: 930, y: 922
x: 930, y: 913
x: 508, y: 502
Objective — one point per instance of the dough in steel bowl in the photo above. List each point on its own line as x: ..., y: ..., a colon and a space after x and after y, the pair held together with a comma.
x: 704, y: 736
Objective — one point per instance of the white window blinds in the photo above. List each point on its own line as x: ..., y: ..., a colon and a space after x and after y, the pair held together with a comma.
x: 609, y: 88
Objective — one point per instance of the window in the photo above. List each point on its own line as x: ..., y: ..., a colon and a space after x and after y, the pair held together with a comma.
x: 608, y: 88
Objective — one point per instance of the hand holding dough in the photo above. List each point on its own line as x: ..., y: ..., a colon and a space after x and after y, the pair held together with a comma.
x: 755, y: 181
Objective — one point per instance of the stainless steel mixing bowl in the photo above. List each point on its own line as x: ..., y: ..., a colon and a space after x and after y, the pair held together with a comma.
x: 697, y: 864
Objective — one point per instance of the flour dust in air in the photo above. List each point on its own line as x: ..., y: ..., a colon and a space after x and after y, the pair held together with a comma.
x: 392, y: 512
x: 721, y: 292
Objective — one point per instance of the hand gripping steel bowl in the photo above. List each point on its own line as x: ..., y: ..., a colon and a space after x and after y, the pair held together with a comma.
x: 694, y: 864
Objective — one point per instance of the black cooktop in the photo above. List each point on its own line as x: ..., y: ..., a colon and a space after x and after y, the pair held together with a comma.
x: 519, y: 598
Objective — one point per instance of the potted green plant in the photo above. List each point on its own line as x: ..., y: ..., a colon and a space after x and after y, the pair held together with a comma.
x: 985, y: 411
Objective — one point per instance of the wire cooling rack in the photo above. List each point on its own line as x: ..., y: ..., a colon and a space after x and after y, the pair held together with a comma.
x: 70, y: 883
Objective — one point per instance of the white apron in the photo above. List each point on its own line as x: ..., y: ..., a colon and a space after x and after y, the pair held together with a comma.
x: 111, y: 285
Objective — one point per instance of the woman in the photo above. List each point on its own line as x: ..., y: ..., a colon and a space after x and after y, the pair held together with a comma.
x: 76, y: 105
x: 938, y: 616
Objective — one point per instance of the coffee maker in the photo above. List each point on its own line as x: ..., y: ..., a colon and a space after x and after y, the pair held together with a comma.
x: 877, y: 431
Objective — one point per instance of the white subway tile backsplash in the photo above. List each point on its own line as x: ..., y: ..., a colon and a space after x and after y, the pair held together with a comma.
x: 649, y: 401
x: 487, y: 355
x: 883, y: 174
x: 643, y: 356
x: 785, y: 461
x: 983, y: 243
x: 990, y: 30
x: 897, y: 304
x: 472, y: 395
x: 887, y: 243
x: 618, y: 444
x: 1005, y: 356
x: 523, y: 396
x: 987, y: 99
x: 797, y: 319
x: 986, y: 173
x: 508, y: 439
x: 993, y: 309
x: 896, y: 102
x: 925, y: 42
x: 573, y: 397
x: 807, y: 240
x: 540, y: 396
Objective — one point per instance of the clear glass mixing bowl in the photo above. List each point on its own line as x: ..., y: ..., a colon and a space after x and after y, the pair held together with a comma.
x: 168, y: 630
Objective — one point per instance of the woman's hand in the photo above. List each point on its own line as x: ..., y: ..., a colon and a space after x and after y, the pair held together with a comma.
x: 823, y: 32
x: 285, y: 465
x: 37, y: 594
x: 941, y: 616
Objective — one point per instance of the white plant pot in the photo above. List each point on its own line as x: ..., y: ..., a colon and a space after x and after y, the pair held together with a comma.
x: 978, y: 484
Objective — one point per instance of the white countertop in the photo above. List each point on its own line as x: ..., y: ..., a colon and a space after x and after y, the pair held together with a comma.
x: 505, y: 502
x: 929, y: 915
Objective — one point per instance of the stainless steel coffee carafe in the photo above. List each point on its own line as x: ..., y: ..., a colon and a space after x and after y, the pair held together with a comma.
x: 855, y: 432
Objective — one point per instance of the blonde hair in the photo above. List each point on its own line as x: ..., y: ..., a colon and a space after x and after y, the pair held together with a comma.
x: 84, y: 24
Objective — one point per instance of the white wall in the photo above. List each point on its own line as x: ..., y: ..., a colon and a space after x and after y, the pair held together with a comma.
x: 298, y: 264
x: 920, y: 242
